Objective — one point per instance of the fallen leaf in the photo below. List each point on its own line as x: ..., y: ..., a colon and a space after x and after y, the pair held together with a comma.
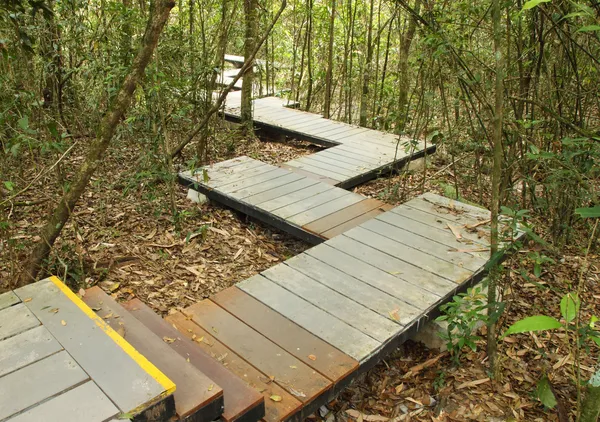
x: 312, y: 357
x: 293, y: 367
x: 54, y: 310
x: 210, y: 387
x: 399, y: 388
x: 199, y: 339
x: 27, y: 300
x: 63, y: 322
x: 114, y: 286
x: 394, y: 315
x: 297, y: 393
x: 81, y: 292
x: 168, y: 339
x: 108, y: 316
x: 276, y: 398
x: 472, y: 383
x: 454, y: 231
x: 369, y: 418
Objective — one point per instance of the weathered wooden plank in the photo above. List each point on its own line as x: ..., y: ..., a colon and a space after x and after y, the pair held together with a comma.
x: 425, y: 245
x: 292, y: 197
x: 314, y: 176
x: 398, y: 268
x: 133, y: 385
x: 308, y: 203
x: 317, y: 170
x: 241, y: 401
x: 195, y: 391
x: 294, y: 339
x: 289, y: 372
x: 38, y: 381
x: 325, y: 209
x: 344, y: 170
x: 384, y: 157
x: 267, y: 185
x: 451, y: 204
x: 25, y: 348
x: 344, y: 132
x: 456, y: 217
x: 355, y: 154
x: 274, y: 411
x: 341, y: 163
x: 360, y: 292
x: 83, y: 403
x: 352, y: 313
x: 353, y: 159
x: 480, y: 238
x: 15, y: 320
x: 329, y: 328
x: 223, y: 181
x: 346, y: 214
x: 341, y: 228
x: 8, y: 299
x: 409, y: 293
x: 253, y: 180
x: 279, y: 191
x: 445, y: 237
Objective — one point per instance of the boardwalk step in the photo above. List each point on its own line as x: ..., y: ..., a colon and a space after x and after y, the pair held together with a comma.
x: 242, y: 403
x: 197, y: 397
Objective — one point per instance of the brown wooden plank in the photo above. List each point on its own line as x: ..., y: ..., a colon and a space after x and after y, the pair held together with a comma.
x: 329, y: 361
x: 315, y: 176
x: 350, y: 224
x: 241, y: 400
x: 290, y: 373
x: 195, y: 390
x: 274, y: 411
x: 333, y: 220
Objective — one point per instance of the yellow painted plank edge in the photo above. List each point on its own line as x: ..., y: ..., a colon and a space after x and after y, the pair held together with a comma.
x: 140, y: 359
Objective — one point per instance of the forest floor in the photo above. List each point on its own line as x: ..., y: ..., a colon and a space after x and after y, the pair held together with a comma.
x: 125, y: 236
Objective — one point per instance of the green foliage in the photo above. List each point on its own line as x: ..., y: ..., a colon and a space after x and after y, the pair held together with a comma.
x: 533, y: 323
x: 544, y: 393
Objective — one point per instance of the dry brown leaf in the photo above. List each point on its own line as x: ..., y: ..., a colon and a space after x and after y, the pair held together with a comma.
x: 114, y: 286
x: 472, y: 383
x: 168, y: 340
x: 63, y: 322
x: 394, y: 315
x: 27, y: 300
x: 369, y: 418
x: 454, y: 231
x: 312, y: 357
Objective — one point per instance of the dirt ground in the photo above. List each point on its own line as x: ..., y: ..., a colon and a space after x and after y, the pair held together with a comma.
x: 135, y: 234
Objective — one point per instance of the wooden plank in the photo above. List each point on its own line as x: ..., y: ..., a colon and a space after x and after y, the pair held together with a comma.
x: 225, y: 181
x: 394, y: 266
x: 131, y: 386
x: 329, y: 361
x: 267, y: 185
x: 344, y: 132
x: 384, y: 157
x: 341, y: 228
x: 314, y: 176
x: 8, y: 299
x: 335, y: 219
x: 445, y: 213
x: 279, y: 191
x: 453, y: 205
x: 26, y: 348
x: 274, y: 411
x: 367, y: 273
x: 363, y: 319
x: 360, y: 292
x: 324, y: 163
x: 241, y: 401
x: 308, y: 203
x: 321, y: 324
x: 425, y: 245
x: 253, y: 180
x: 355, y: 155
x: 445, y: 237
x: 195, y: 391
x: 325, y: 209
x: 293, y: 197
x: 15, y: 320
x: 38, y: 381
x: 410, y: 255
x: 337, y: 163
x: 83, y: 403
x: 289, y: 372
x: 479, y: 238
x: 356, y: 160
x: 317, y: 170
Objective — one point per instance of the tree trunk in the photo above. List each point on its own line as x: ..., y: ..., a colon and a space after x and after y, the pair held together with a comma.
x: 60, y: 215
x: 309, y: 55
x: 405, y: 43
x: 329, y: 72
x: 364, y: 99
x: 251, y: 16
x: 496, y: 179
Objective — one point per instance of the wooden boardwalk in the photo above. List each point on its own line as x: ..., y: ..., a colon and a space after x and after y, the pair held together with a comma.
x: 300, y: 331
x: 303, y: 205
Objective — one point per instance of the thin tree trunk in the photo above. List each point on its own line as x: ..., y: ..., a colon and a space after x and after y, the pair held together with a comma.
x: 405, y: 43
x: 60, y: 215
x: 309, y: 56
x: 251, y: 19
x: 364, y: 99
x: 329, y: 72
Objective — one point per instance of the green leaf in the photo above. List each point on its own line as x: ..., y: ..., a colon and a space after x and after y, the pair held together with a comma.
x: 9, y: 185
x: 569, y: 306
x: 23, y: 122
x: 591, y: 212
x: 205, y: 176
x: 589, y: 28
x: 544, y: 393
x: 533, y: 3
x: 533, y: 323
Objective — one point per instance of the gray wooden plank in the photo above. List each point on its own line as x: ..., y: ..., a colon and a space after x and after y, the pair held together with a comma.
x: 323, y: 325
x: 445, y: 213
x: 308, y: 203
x: 344, y: 133
x: 253, y: 180
x: 425, y: 245
x: 440, y: 223
x: 328, y: 166
x: 402, y: 290
x: 357, y: 162
x: 473, y: 211
x: 25, y: 348
x: 267, y: 185
x: 440, y: 235
x: 335, y: 164
x: 327, y: 208
x: 317, y: 170
x: 384, y: 304
x: 354, y: 154
x: 401, y: 269
x: 226, y: 180
x: 410, y: 255
x: 293, y: 197
x: 279, y: 191
x: 38, y: 381
x: 344, y: 308
x: 15, y: 320
x: 83, y: 403
x: 130, y: 386
x: 8, y: 299
x: 383, y: 156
